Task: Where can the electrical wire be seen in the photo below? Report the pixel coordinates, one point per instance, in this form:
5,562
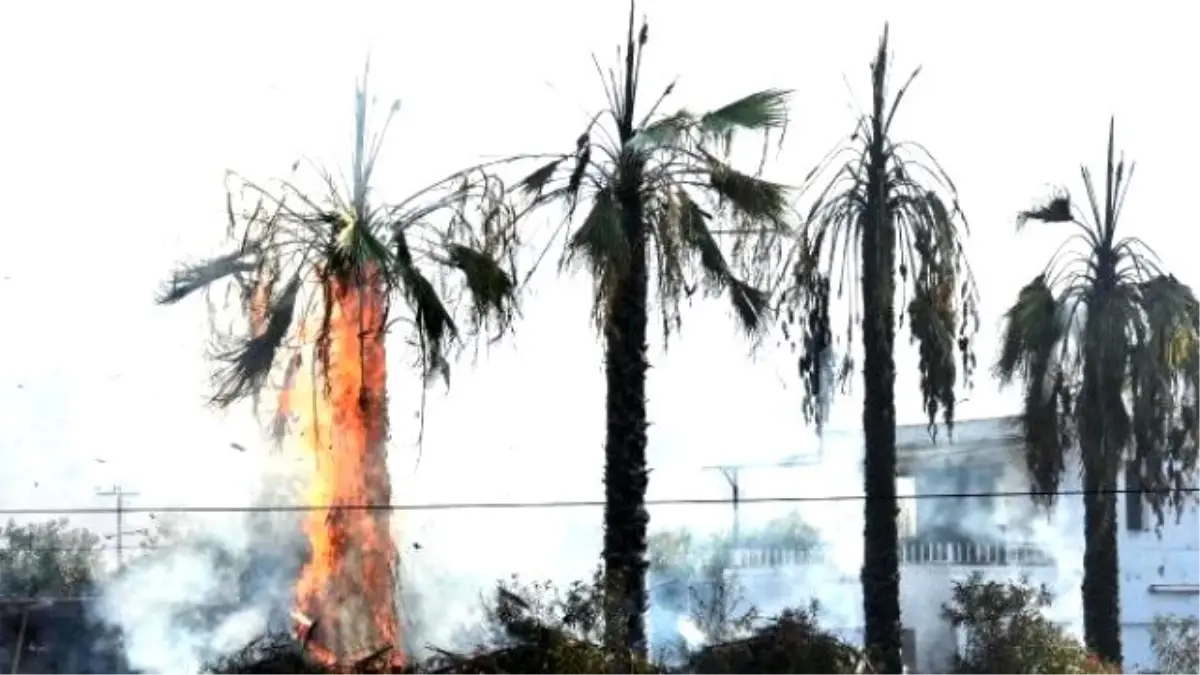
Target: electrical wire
559,504
447,506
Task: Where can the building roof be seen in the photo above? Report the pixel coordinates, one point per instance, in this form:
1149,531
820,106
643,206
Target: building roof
915,441
990,430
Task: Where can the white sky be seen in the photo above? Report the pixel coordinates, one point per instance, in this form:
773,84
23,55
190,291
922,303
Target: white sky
120,119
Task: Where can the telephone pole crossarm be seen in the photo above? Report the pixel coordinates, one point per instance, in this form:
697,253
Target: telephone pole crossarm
120,494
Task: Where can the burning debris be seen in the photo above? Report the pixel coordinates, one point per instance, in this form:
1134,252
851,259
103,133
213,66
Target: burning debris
382,658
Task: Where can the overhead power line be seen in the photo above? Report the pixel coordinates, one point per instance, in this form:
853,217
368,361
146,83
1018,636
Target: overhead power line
502,505
561,504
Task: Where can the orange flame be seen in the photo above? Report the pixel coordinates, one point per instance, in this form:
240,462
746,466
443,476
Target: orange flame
348,586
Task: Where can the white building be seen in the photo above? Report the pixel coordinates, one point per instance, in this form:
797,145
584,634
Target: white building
947,538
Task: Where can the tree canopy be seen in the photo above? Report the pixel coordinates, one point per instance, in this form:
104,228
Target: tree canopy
47,559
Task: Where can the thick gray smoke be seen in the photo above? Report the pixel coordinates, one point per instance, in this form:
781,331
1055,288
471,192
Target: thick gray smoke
210,582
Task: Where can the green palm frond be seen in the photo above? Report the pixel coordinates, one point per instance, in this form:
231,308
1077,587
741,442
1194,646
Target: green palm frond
762,111
759,111
895,192
750,304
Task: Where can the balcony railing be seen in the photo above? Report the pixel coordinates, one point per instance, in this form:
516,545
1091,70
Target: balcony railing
912,552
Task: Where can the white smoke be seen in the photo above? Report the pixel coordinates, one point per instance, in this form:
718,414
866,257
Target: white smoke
212,581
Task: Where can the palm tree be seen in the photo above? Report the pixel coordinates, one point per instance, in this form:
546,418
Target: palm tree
344,241
320,281
1106,344
643,183
886,202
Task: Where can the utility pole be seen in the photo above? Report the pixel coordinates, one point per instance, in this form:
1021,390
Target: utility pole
120,494
731,476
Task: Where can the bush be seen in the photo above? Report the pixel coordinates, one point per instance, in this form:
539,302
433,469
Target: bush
1006,631
543,628
1175,641
791,643
538,628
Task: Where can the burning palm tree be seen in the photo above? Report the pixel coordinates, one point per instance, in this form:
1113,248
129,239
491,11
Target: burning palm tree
321,279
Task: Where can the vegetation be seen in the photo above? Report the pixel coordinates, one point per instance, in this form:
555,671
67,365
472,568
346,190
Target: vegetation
1176,644
49,573
887,208
1106,344
541,628
1007,632
48,559
344,243
651,186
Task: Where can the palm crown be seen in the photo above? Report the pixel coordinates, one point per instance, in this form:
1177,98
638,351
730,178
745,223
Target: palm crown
677,165
1106,344
291,252
872,182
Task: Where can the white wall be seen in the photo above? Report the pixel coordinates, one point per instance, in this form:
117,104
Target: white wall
1146,558
1170,556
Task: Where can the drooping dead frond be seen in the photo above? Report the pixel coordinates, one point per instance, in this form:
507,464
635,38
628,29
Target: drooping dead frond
752,197
451,238
187,279
492,290
246,365
1031,348
1164,378
898,195
1106,346
1055,209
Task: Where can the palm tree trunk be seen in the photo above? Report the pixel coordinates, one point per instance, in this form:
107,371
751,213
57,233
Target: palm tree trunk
625,475
1101,449
881,564
1101,572
348,585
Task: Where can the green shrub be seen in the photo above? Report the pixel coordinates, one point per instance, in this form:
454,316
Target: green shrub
1007,632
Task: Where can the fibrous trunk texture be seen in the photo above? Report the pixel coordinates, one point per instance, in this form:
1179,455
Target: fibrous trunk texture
625,475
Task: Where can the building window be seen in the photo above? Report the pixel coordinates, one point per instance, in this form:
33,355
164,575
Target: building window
953,491
1135,505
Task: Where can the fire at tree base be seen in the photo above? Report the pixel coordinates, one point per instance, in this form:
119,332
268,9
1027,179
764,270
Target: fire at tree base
329,643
